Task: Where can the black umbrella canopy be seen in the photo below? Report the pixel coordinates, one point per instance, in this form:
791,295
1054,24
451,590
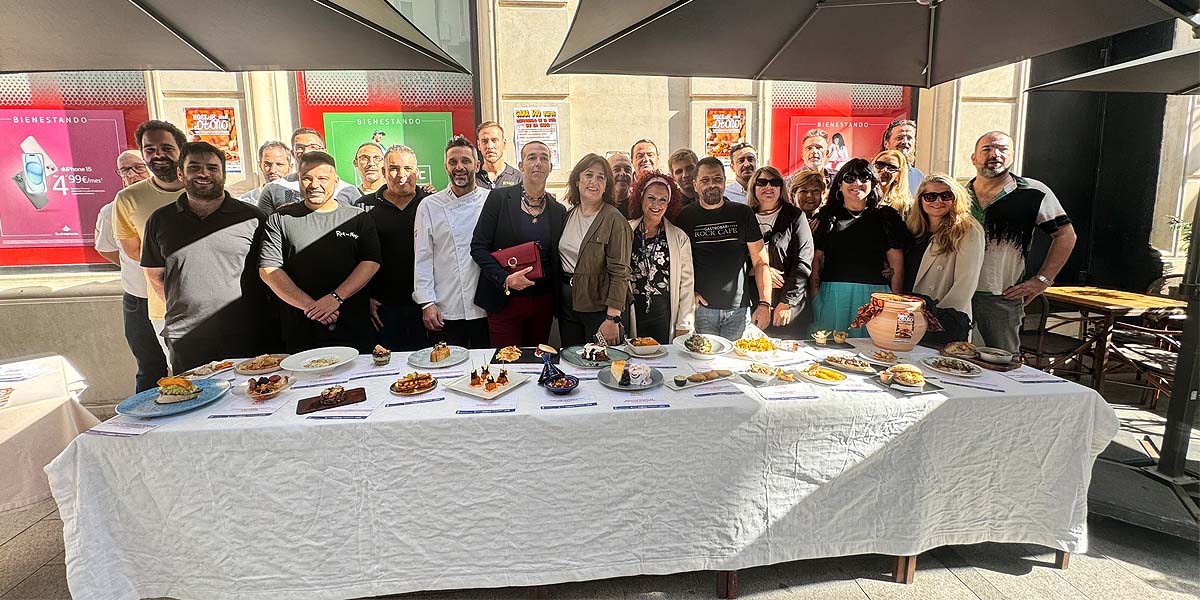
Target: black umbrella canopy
1171,72
900,42
213,35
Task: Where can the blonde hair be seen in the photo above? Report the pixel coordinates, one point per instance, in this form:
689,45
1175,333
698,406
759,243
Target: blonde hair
896,196
954,226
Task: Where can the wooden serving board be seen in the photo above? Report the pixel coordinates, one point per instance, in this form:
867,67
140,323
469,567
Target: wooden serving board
311,405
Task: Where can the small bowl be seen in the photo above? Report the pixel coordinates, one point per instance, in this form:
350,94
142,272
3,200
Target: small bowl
995,355
642,350
759,377
562,391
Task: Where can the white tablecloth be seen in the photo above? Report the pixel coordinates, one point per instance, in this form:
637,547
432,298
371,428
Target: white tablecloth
419,497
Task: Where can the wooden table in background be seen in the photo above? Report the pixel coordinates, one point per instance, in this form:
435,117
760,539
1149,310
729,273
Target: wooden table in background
1109,305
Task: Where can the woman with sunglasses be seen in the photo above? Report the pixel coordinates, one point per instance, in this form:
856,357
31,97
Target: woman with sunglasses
945,259
856,237
664,295
807,194
790,249
892,168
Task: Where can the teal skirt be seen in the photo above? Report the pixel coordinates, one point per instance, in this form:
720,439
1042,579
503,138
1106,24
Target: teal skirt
836,305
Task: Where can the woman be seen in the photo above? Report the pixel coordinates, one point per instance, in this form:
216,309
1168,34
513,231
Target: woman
838,153
520,310
947,253
790,248
856,237
892,168
594,255
808,194
664,295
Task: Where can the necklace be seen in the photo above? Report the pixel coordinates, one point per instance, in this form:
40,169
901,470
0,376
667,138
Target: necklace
530,206
851,213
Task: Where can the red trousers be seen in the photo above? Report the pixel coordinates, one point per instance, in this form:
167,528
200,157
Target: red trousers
525,321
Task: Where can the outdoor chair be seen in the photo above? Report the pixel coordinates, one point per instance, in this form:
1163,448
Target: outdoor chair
1054,351
1152,355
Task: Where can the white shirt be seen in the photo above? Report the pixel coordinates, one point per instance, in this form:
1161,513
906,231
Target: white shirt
444,272
734,192
133,280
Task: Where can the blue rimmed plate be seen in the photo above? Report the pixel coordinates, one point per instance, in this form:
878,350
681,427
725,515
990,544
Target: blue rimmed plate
143,406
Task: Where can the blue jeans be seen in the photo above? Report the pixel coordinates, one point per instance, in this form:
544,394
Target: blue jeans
139,334
727,323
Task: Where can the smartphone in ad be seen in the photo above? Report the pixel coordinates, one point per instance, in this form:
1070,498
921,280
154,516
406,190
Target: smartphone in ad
37,199
30,145
35,172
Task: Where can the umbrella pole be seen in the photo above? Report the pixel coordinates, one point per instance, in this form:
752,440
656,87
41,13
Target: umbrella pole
1181,413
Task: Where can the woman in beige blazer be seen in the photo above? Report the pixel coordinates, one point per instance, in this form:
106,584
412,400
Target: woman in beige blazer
664,296
945,259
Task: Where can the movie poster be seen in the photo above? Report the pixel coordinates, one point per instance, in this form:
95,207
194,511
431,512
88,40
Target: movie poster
217,126
723,128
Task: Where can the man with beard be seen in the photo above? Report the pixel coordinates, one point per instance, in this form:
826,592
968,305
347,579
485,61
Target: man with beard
725,239
683,166
644,153
901,135
1009,207
274,163
199,254
393,208
368,161
160,142
815,153
743,158
622,169
494,173
316,256
286,190
446,275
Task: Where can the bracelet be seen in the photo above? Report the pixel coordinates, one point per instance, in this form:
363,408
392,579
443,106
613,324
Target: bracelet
1044,279
336,297
764,303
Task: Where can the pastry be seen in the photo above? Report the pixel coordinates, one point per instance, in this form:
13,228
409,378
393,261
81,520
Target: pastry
440,352
820,337
839,337
381,356
617,367
723,372
332,395
696,378
594,352
639,374
888,375
908,378
176,389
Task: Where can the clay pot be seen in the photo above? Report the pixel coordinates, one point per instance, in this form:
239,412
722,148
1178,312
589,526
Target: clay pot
899,326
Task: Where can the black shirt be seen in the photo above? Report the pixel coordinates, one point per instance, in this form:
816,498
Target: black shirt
212,282
855,249
509,176
720,252
912,262
393,284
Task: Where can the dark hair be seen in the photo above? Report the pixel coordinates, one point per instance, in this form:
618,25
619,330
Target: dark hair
639,190
521,155
643,141
364,145
313,159
834,201
459,141
740,146
267,145
609,197
195,148
155,125
838,139
308,130
887,133
711,161
485,125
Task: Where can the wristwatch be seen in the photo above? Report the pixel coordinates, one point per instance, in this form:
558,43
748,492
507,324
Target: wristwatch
336,297
1044,279
614,318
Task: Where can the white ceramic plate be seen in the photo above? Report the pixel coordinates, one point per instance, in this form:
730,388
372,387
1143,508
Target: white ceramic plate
720,346
192,374
975,370
462,385
339,354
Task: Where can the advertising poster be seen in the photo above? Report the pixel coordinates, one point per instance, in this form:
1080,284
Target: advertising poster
217,126
425,132
849,137
537,125
57,169
723,127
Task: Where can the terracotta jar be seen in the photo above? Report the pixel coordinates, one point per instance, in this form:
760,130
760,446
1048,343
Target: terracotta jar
899,325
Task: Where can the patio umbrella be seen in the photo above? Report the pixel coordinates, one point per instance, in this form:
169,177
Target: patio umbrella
901,42
215,35
1171,72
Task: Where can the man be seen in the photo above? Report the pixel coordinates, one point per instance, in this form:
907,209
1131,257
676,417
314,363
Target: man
286,190
316,256
446,275
743,159
274,163
901,135
622,169
368,161
644,153
495,172
725,238
683,166
393,208
815,153
1009,207
378,136
139,334
160,142
200,255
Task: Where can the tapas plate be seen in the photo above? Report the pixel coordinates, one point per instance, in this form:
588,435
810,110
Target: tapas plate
956,367
208,370
530,355
420,358
883,363
691,384
606,379
720,346
462,385
242,389
418,392
319,359
245,368
143,405
572,354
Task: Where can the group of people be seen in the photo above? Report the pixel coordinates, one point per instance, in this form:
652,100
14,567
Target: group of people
631,249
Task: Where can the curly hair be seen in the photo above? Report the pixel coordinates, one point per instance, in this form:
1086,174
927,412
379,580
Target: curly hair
639,190
954,226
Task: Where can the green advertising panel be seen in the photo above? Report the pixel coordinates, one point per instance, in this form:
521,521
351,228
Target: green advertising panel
425,132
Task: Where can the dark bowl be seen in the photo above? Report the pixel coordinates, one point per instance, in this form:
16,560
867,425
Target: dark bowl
573,380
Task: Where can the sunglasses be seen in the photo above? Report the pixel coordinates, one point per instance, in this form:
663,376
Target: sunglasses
946,196
879,166
853,178
773,182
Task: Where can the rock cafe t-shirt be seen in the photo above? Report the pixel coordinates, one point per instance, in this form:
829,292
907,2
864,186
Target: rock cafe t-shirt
720,257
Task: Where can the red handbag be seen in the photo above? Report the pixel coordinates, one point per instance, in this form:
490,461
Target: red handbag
521,256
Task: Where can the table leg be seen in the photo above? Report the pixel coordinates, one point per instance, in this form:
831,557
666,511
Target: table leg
904,569
727,584
1062,559
1100,354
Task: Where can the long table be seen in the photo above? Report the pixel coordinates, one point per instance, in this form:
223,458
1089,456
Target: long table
432,494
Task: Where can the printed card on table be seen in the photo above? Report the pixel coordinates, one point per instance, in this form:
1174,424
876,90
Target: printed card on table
243,406
476,406
122,426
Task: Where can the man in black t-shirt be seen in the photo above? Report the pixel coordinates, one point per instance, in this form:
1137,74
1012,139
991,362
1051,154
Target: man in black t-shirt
316,256
726,239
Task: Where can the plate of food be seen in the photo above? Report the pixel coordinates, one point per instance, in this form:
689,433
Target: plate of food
438,356
952,366
264,387
208,370
822,375
562,385
759,375
849,362
526,355
593,356
883,358
703,346
174,395
908,379
759,348
646,347
786,345
488,382
629,376
260,365
413,384
960,350
319,359
683,382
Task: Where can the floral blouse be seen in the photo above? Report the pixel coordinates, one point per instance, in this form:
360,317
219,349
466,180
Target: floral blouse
651,265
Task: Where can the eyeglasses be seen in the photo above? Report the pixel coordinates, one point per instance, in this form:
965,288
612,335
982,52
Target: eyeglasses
931,197
853,178
139,169
773,182
370,160
881,166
